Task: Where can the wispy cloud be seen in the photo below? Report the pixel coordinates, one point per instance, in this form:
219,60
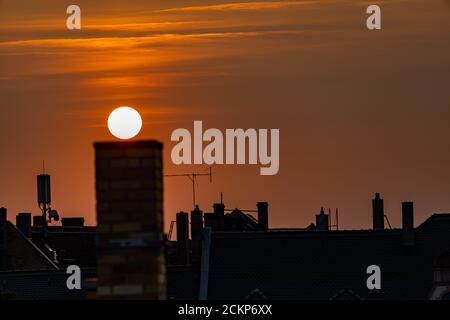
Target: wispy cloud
242,6
147,26
114,42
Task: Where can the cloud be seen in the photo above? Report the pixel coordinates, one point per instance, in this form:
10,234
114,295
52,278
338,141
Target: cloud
121,42
242,6
146,26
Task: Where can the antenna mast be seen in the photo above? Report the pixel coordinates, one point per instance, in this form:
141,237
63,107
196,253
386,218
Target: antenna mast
336,222
193,177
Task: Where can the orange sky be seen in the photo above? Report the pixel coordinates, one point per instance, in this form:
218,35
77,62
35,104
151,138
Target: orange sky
359,112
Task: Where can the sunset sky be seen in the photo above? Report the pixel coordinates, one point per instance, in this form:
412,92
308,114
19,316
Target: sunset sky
359,111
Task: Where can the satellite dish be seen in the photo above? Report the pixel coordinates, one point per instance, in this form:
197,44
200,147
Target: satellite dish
53,215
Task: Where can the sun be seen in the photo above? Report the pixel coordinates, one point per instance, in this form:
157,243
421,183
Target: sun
124,123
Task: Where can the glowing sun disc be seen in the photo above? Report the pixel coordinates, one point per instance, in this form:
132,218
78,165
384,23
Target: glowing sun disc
124,123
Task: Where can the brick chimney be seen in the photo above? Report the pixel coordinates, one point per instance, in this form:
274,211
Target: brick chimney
378,212
263,215
130,242
408,223
23,223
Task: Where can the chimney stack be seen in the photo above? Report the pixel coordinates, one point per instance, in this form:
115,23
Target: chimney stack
408,223
38,221
3,216
322,222
23,223
130,241
378,212
196,234
3,219
183,237
219,211
211,221
263,215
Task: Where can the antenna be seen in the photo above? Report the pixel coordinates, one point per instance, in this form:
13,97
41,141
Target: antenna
172,223
44,198
336,224
329,217
387,220
193,177
337,219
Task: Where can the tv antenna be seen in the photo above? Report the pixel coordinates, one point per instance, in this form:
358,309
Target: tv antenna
193,177
336,219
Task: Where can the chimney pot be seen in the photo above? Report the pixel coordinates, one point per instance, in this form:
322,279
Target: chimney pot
219,211
183,237
3,215
322,222
23,223
408,223
196,234
38,221
211,220
263,215
378,212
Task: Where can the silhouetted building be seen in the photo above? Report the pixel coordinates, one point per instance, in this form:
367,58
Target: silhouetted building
229,253
317,265
247,262
31,268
